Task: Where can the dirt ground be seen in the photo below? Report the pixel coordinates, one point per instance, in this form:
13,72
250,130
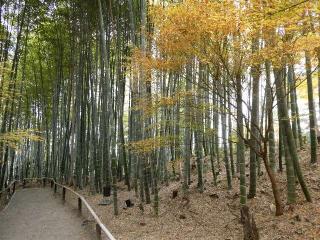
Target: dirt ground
35,214
215,213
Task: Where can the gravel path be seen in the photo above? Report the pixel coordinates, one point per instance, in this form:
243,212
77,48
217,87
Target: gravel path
35,214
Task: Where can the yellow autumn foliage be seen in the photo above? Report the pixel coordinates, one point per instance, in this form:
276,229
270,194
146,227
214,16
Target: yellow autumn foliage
220,35
200,28
14,138
148,145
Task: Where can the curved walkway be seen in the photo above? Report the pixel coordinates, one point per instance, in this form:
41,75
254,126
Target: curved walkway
35,214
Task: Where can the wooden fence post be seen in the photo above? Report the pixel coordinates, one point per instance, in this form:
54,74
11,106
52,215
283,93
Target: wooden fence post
14,187
98,231
55,188
44,182
51,183
24,183
63,193
79,204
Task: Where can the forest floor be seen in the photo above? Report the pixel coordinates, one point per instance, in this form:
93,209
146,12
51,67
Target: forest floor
215,214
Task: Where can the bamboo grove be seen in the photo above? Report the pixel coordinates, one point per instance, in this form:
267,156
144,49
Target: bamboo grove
96,93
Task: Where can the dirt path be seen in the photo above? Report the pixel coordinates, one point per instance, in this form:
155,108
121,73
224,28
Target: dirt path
35,214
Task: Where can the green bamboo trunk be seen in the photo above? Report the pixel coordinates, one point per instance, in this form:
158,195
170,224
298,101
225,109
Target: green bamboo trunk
312,113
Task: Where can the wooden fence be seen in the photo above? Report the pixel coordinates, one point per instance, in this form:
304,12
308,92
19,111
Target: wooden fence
7,193
101,229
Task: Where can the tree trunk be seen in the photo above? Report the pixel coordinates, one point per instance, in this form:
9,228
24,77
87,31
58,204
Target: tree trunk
283,111
312,113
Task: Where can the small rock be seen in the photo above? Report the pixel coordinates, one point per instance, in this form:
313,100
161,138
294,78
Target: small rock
307,219
297,218
142,223
298,231
182,216
174,194
129,203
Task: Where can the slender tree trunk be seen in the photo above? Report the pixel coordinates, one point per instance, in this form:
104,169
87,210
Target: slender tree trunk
224,138
269,117
312,113
283,111
240,142
187,130
254,135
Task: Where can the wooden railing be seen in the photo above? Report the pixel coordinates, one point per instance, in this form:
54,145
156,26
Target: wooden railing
100,227
6,194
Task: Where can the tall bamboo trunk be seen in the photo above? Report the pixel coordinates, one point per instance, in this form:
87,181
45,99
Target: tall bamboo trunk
269,117
240,142
312,113
254,125
286,127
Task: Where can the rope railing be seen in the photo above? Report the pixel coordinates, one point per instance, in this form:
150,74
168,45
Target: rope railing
100,227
